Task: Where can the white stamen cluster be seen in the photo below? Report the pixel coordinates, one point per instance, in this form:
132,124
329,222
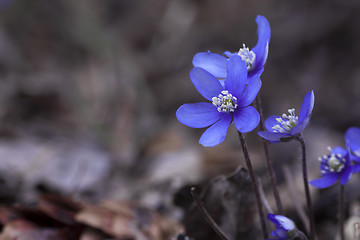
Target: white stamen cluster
247,56
286,122
225,102
332,163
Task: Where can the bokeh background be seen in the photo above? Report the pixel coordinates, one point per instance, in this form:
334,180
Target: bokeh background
89,91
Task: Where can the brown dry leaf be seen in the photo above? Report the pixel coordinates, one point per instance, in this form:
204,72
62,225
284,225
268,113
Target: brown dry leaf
25,230
6,214
230,201
60,208
125,221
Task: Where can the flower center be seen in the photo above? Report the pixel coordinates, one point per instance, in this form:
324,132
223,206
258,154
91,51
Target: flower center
247,56
286,122
332,163
225,102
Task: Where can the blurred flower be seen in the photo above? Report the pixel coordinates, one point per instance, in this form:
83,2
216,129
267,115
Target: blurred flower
352,138
254,58
334,166
285,227
286,127
228,102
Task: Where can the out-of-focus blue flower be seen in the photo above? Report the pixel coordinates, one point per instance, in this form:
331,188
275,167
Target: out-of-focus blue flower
286,127
229,102
334,166
285,227
254,58
352,138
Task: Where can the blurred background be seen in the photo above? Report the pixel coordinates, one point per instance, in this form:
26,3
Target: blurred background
89,91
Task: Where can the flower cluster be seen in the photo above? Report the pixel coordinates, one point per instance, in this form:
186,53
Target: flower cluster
231,96
230,83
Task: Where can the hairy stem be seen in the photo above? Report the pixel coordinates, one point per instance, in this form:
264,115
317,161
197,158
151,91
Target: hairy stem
341,212
255,186
306,186
268,159
207,216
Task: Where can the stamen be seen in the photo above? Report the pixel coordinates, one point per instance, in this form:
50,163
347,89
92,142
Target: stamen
248,56
225,102
333,163
286,122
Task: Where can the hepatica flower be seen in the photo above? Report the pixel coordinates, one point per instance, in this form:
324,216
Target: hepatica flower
255,58
352,138
285,227
334,166
228,102
285,127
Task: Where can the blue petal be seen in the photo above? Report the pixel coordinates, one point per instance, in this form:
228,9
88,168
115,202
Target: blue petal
206,84
262,47
339,150
307,106
237,76
325,181
355,158
285,223
271,122
352,137
250,92
216,133
305,113
230,54
356,168
272,218
246,119
211,62
272,136
198,115
346,174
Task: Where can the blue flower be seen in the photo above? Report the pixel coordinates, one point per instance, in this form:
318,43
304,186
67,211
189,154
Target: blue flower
285,227
352,138
334,166
286,127
230,102
255,58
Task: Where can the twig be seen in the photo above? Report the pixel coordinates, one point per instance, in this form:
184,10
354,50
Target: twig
207,216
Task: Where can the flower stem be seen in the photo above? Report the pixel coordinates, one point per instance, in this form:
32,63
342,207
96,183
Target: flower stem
341,212
207,216
306,186
268,159
300,235
255,185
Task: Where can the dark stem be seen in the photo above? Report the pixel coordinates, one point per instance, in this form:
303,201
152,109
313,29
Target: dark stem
306,186
207,216
255,186
341,212
268,159
301,236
